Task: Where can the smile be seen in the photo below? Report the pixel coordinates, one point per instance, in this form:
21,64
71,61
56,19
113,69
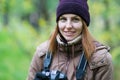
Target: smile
69,33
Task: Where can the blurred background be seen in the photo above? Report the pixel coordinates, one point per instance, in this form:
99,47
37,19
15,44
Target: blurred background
24,24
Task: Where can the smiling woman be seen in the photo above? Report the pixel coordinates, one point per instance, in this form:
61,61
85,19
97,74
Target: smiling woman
70,26
70,48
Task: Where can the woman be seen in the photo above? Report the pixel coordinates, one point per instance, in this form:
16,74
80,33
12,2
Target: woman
69,41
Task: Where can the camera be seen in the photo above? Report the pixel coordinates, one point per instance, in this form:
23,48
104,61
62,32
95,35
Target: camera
47,74
50,75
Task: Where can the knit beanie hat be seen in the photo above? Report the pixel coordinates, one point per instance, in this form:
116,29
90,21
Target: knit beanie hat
78,7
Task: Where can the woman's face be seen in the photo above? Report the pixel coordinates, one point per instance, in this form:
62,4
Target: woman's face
70,26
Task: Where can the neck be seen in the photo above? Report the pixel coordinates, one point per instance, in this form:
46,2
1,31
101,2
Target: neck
74,41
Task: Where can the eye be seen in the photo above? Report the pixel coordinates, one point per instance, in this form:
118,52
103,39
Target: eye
62,19
75,19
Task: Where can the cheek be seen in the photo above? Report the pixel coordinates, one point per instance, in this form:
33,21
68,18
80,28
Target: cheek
79,28
61,26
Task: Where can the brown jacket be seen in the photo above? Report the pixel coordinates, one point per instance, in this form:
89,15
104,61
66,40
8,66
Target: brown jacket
98,68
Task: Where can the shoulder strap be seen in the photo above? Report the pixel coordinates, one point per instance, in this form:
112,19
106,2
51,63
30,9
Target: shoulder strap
47,60
81,67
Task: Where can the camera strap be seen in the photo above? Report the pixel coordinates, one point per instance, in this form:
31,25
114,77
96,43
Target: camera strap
47,61
80,71
81,67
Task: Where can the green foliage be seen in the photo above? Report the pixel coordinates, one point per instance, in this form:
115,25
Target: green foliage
13,63
51,5
18,42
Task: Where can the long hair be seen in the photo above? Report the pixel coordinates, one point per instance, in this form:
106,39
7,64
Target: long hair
53,43
87,41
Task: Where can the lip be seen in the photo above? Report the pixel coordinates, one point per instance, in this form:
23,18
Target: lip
69,33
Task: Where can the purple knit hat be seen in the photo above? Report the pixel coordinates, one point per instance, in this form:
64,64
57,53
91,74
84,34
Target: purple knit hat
78,7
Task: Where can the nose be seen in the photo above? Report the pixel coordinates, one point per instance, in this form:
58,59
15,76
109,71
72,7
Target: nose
68,24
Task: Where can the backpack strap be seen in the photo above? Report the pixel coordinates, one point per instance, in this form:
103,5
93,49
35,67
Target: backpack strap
80,71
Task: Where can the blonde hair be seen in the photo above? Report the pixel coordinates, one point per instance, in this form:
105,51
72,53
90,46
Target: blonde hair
87,41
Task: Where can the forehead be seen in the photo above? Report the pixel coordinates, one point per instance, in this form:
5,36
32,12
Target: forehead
69,15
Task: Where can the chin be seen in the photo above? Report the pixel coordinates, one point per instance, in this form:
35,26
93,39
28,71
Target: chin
69,39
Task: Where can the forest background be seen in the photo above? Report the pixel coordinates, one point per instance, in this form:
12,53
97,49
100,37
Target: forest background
24,24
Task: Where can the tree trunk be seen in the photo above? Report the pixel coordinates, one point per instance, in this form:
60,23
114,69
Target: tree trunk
40,12
6,13
106,17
